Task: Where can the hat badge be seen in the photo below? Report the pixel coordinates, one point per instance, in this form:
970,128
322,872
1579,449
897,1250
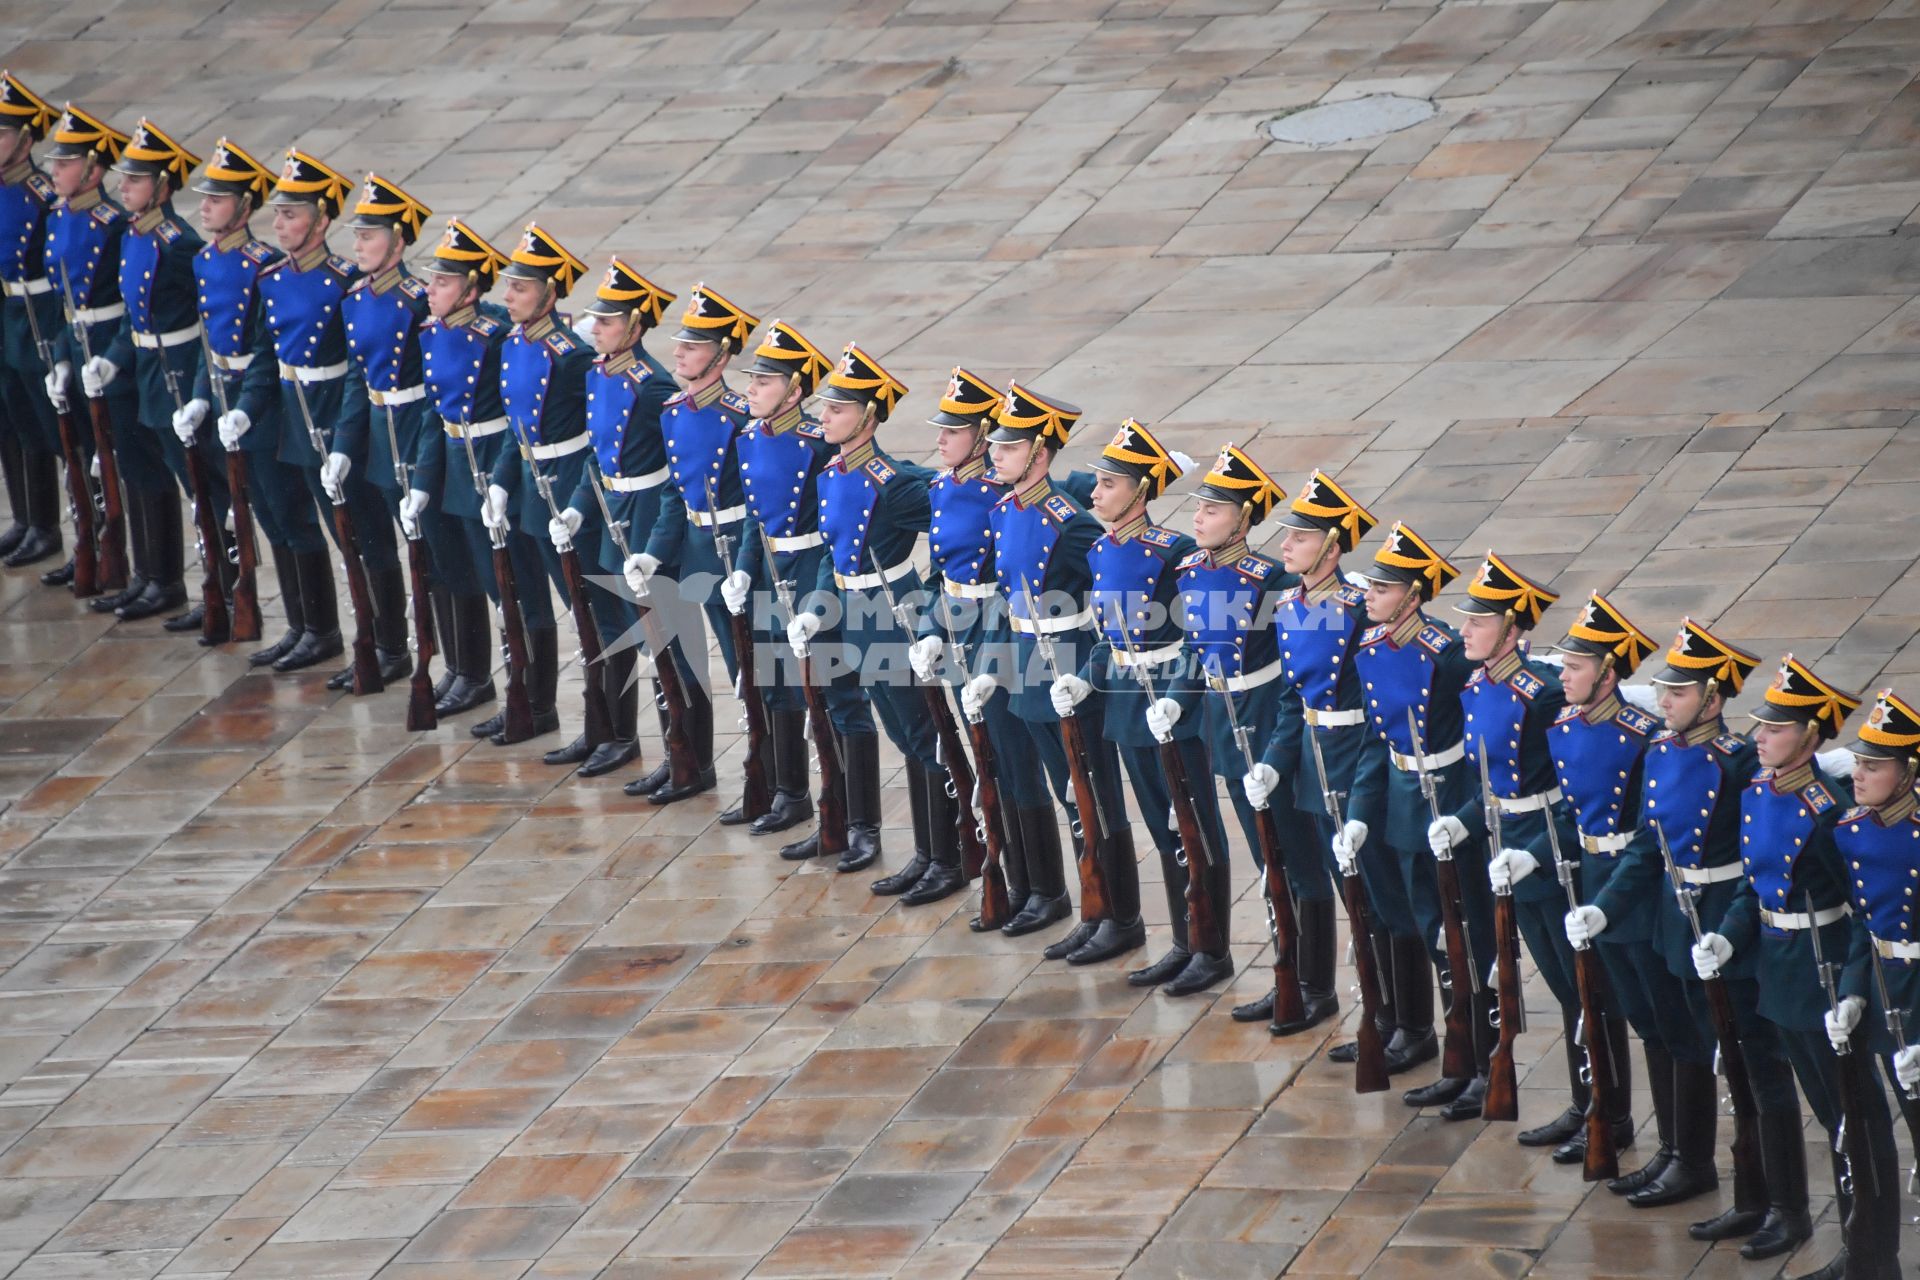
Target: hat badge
291,170
449,239
1486,573
529,241
953,387
846,361
1878,716
368,192
612,278
1591,614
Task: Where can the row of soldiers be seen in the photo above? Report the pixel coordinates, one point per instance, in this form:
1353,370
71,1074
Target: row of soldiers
1711,890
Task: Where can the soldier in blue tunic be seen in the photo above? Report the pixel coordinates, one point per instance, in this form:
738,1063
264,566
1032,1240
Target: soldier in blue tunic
873,510
29,437
1599,746
1796,882
1410,664
543,388
460,366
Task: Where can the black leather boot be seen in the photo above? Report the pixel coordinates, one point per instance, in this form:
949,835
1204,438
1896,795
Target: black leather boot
320,640
1690,1172
13,464
944,876
1013,865
165,589
442,603
543,681
1173,882
1047,901
792,789
1775,1222
41,510
1574,1118
1471,1099
1083,929
286,568
1203,970
1123,930
1163,970
1414,1041
136,504
809,846
1386,1018
861,759
906,877
657,776
623,695
1316,959
470,657
1615,1041
699,727
1660,1076
388,587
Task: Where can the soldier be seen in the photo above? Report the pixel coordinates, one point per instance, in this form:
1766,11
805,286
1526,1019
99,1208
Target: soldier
29,438
1599,748
873,511
1411,664
460,366
543,387
1795,882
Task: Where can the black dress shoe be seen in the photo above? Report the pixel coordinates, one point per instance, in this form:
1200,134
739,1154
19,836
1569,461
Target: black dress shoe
277,650
191,620
543,722
341,679
790,809
1315,1013
650,781
802,849
35,547
112,600
464,695
903,879
1467,1105
735,816
1553,1132
1574,1149
609,756
51,578
1165,969
1257,1010
1632,1181
1783,1231
491,725
219,635
1405,1052
1110,939
1440,1092
942,880
1202,971
1729,1224
1835,1270
11,538
1345,1054
575,752
395,665
1037,913
314,647
443,685
155,598
860,854
1677,1182
1061,948
667,793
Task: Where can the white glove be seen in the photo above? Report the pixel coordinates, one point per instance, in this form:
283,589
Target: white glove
1710,955
734,590
96,373
1445,835
1180,460
233,424
1584,924
1347,842
974,694
1068,692
333,474
1906,1067
410,508
1842,1020
800,632
1509,867
1162,715
493,512
187,419
561,528
1259,783
639,567
923,655
57,379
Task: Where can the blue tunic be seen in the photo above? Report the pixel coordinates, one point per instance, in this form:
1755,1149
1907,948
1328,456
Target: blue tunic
1317,639
543,387
83,255
1882,857
1041,544
157,283
383,320
699,432
960,548
1136,602
303,313
1599,768
460,367
1513,717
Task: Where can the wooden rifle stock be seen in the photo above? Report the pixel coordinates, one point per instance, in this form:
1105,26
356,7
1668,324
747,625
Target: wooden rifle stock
1602,1159
366,659
1203,927
756,793
246,588
953,756
995,909
420,712
86,564
518,724
214,621
1283,926
1093,832
598,722
833,792
1503,1086
1370,1058
1457,1056
112,533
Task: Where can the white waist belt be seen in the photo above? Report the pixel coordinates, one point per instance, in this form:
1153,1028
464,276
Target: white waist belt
1607,844
312,373
1712,875
1528,804
547,452
94,315
864,581
154,341
1146,657
971,590
634,484
726,515
474,430
405,395
1801,920
232,364
1438,760
1335,719
1047,626
1897,950
800,542
21,288
1252,679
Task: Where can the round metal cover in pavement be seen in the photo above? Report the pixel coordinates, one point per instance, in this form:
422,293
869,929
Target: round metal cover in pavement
1335,122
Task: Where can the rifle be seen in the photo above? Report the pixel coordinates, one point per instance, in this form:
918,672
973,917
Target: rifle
206,527
756,794
995,910
1203,927
1503,1088
110,535
1370,1058
833,807
598,722
516,724
1602,1072
366,663
420,712
1896,1021
1095,829
79,499
1457,1054
1852,1142
1283,926
245,597
1749,1179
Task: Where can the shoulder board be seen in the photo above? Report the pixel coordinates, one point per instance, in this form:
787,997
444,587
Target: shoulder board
1158,537
1373,635
1288,596
1566,714
880,469
363,282
1255,567
42,187
104,213
1818,798
1527,684
168,231
1637,721
276,265
1858,811
810,430
486,326
1434,638
1060,508
1193,560
735,403
339,265
255,251
1666,735
1728,743
412,288
638,374
1760,775
1351,595
1479,676
561,342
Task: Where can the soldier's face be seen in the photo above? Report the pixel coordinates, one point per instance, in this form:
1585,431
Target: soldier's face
375,248
1876,782
1301,548
525,300
955,445
1215,524
1780,745
1010,461
694,361
138,192
1479,633
767,394
1681,705
297,226
220,214
1386,599
841,420
10,147
445,293
1580,677
69,176
610,334
1112,495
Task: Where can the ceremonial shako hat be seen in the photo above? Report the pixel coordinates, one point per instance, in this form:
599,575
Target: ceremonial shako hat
22,108
1700,657
1500,588
969,401
1602,631
624,291
382,204
1322,504
463,252
785,352
1027,415
232,172
860,379
1240,481
539,256
79,135
1798,696
1406,557
1892,731
307,180
1133,452
711,318
151,153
